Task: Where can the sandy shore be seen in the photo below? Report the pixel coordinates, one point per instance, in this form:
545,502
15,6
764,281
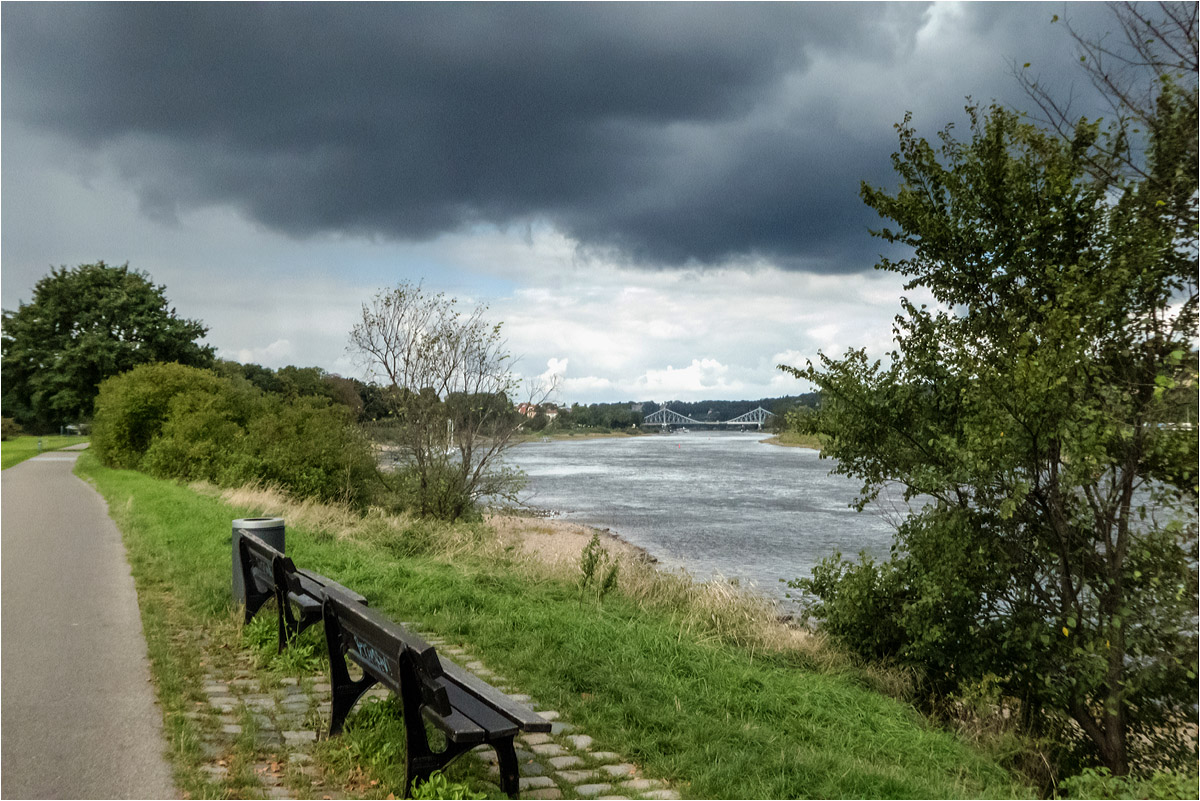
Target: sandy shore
560,541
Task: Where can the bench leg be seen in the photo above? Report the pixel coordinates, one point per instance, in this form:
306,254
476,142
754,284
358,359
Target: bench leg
510,777
285,615
422,760
344,691
255,601
291,625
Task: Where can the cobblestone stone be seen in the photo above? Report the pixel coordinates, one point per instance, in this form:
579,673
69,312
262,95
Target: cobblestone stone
580,741
593,789
624,769
576,776
641,785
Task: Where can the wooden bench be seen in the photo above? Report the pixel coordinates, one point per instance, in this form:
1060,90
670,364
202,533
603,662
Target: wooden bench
467,710
268,573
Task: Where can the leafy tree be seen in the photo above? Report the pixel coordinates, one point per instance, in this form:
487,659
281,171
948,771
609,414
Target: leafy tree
84,325
448,387
1031,413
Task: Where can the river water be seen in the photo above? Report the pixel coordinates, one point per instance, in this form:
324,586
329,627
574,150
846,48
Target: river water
714,504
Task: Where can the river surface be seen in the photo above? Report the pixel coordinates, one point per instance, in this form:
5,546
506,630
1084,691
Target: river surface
714,504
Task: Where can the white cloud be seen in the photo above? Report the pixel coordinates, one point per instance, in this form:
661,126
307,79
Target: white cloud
278,352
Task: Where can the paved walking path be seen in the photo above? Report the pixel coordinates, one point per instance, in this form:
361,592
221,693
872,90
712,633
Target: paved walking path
77,706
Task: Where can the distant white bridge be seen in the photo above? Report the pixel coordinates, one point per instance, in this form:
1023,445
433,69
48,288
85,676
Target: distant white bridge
667,417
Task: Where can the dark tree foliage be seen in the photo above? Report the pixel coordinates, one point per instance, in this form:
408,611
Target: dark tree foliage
82,326
1033,412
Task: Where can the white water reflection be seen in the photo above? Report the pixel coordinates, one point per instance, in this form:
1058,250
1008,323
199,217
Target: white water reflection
711,503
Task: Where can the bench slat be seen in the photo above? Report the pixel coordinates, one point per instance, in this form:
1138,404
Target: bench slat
526,718
484,716
458,727
324,581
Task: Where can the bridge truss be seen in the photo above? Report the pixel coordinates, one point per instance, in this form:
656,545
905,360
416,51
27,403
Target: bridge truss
667,417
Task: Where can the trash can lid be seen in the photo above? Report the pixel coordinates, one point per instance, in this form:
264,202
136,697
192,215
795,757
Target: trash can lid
258,522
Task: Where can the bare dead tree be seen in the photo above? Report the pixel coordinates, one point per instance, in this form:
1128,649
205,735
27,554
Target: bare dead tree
450,391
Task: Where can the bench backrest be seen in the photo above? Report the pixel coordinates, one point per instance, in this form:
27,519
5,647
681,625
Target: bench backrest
387,650
258,562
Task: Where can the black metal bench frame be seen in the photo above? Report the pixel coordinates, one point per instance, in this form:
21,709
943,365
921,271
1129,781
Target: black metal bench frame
467,710
268,573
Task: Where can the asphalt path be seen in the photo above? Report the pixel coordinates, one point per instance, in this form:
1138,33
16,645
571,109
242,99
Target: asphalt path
77,708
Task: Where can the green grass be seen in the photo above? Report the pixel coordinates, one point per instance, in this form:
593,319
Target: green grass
715,720
15,451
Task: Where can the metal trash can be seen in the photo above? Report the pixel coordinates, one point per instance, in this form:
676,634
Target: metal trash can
268,529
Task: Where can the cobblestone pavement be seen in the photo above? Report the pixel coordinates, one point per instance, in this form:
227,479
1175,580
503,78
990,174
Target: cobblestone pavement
561,764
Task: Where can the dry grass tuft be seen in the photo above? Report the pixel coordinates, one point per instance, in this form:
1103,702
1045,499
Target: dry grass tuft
401,533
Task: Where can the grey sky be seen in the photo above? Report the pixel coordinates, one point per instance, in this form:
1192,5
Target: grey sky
283,161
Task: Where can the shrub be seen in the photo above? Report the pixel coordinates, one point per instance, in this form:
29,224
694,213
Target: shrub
436,491
131,409
860,604
203,437
189,424
312,449
9,429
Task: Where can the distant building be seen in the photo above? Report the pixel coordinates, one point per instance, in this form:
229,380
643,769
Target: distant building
531,410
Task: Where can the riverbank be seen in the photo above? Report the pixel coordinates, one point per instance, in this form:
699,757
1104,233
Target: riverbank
662,670
792,439
557,542
553,434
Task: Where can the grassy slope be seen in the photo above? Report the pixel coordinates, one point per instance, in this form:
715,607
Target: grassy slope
15,451
716,720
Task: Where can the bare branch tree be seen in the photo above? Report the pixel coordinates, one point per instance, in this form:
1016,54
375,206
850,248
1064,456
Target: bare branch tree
450,389
1153,46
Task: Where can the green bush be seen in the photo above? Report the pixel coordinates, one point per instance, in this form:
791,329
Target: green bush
313,449
861,604
132,408
204,437
437,491
189,424
9,429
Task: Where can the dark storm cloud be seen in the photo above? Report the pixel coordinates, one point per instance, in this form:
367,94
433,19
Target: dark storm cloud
673,133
